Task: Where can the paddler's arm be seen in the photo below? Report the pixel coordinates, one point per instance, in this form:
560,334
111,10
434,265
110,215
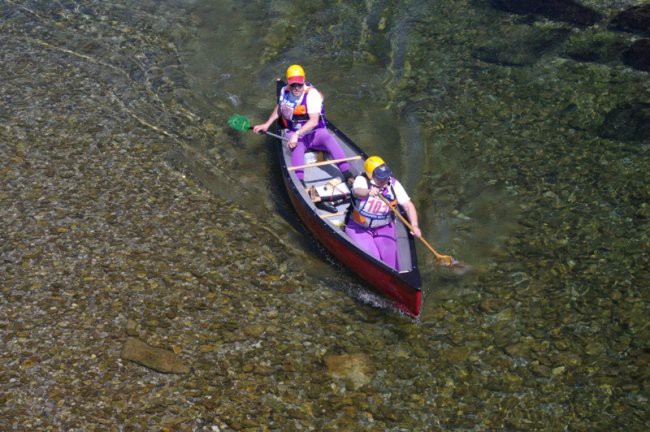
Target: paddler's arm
361,192
263,127
412,214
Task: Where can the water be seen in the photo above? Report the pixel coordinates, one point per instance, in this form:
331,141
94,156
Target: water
497,136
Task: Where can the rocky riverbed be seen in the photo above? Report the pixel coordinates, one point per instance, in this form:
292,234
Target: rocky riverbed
101,239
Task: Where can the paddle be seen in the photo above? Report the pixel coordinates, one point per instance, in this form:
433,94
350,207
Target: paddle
326,162
243,124
445,260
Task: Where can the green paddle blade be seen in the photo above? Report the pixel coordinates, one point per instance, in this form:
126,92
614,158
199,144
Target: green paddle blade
239,122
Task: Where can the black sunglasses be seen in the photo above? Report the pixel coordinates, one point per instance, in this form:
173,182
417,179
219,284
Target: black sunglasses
296,85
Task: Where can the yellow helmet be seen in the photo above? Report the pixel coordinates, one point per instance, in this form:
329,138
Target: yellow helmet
371,163
295,74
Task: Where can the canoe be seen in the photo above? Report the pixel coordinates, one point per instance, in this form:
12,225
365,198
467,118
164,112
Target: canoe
325,220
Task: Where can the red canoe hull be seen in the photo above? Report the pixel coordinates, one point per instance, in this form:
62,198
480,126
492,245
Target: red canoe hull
395,286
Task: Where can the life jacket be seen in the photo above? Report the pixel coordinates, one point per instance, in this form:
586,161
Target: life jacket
292,115
371,212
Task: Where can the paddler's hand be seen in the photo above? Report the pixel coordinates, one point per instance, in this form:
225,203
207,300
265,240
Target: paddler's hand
293,141
373,191
416,231
260,128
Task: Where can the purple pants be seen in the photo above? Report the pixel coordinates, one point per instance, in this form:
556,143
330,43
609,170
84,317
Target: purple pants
380,242
319,139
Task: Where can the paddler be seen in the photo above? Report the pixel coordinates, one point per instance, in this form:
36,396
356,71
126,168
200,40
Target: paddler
301,112
372,223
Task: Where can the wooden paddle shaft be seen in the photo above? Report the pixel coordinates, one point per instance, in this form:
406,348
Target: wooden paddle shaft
327,162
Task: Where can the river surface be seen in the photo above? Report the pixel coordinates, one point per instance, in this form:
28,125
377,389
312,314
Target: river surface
130,209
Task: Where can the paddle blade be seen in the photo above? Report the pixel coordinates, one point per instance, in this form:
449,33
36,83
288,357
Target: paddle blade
239,122
452,264
446,260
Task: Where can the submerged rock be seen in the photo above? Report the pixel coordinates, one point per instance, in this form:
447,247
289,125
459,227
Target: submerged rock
522,46
157,359
635,19
455,355
356,368
131,328
627,122
490,305
558,10
638,55
596,46
254,330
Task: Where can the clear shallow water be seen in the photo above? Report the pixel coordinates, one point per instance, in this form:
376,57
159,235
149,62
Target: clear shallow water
504,163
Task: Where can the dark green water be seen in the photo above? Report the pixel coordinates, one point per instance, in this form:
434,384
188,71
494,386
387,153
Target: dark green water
506,148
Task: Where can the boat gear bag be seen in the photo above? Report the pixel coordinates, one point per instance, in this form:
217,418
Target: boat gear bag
334,190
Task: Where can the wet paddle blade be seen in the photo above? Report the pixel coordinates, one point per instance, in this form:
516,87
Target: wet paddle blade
239,122
446,260
452,264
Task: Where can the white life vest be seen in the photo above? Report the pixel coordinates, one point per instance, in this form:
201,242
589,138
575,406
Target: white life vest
293,114
372,212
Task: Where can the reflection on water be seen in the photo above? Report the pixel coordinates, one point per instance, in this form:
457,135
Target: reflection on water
500,146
